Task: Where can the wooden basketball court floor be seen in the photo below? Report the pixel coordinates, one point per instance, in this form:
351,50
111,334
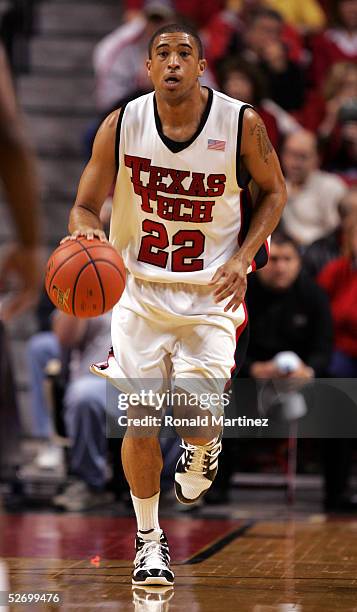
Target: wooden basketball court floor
221,565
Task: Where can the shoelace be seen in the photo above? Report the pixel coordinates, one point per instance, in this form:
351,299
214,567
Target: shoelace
152,556
201,455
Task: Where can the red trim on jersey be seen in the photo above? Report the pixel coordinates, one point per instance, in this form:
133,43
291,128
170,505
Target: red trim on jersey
240,329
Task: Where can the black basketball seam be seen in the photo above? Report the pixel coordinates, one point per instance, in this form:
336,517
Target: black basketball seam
96,271
110,263
95,246
59,267
92,246
76,283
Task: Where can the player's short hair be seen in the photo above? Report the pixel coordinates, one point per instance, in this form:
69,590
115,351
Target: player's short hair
279,237
176,27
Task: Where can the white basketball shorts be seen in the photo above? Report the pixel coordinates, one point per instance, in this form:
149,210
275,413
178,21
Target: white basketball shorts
171,331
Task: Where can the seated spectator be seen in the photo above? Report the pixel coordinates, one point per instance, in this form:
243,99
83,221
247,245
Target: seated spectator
120,58
338,43
322,107
244,81
264,45
337,131
287,312
313,195
340,88
84,403
253,32
339,280
230,24
321,252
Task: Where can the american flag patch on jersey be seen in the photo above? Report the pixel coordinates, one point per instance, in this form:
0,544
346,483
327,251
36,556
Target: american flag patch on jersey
216,145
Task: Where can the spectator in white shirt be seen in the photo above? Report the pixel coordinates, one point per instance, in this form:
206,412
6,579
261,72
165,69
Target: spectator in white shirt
119,59
313,196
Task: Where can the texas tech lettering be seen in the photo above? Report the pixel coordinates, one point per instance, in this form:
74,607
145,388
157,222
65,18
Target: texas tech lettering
152,182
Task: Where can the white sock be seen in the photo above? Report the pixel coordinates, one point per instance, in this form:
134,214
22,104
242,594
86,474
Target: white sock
147,516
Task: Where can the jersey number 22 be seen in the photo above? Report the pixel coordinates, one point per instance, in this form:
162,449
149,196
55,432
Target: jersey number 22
154,248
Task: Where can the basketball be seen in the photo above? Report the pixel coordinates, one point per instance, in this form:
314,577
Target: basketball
85,278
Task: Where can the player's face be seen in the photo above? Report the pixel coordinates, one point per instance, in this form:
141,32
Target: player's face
174,65
283,267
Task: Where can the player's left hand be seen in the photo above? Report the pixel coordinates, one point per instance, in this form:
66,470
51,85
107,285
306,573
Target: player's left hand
25,266
231,280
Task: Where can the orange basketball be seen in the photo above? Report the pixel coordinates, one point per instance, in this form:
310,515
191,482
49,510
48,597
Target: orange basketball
85,278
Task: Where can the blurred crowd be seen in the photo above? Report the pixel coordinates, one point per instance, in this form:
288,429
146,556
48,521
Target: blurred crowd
296,62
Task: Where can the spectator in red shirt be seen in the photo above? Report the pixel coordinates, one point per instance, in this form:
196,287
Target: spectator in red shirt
339,279
337,44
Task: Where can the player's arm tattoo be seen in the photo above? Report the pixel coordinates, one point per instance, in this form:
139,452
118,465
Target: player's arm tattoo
264,144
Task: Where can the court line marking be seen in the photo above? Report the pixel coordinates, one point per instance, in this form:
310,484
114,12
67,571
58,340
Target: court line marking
218,544
203,554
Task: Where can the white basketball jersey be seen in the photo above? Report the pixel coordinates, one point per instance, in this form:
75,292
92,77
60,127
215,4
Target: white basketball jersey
180,210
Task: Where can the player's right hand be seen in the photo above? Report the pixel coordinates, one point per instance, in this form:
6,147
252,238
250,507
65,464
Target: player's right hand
89,233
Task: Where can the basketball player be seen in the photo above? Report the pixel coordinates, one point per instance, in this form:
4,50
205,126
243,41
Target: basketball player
18,176
185,160
17,173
